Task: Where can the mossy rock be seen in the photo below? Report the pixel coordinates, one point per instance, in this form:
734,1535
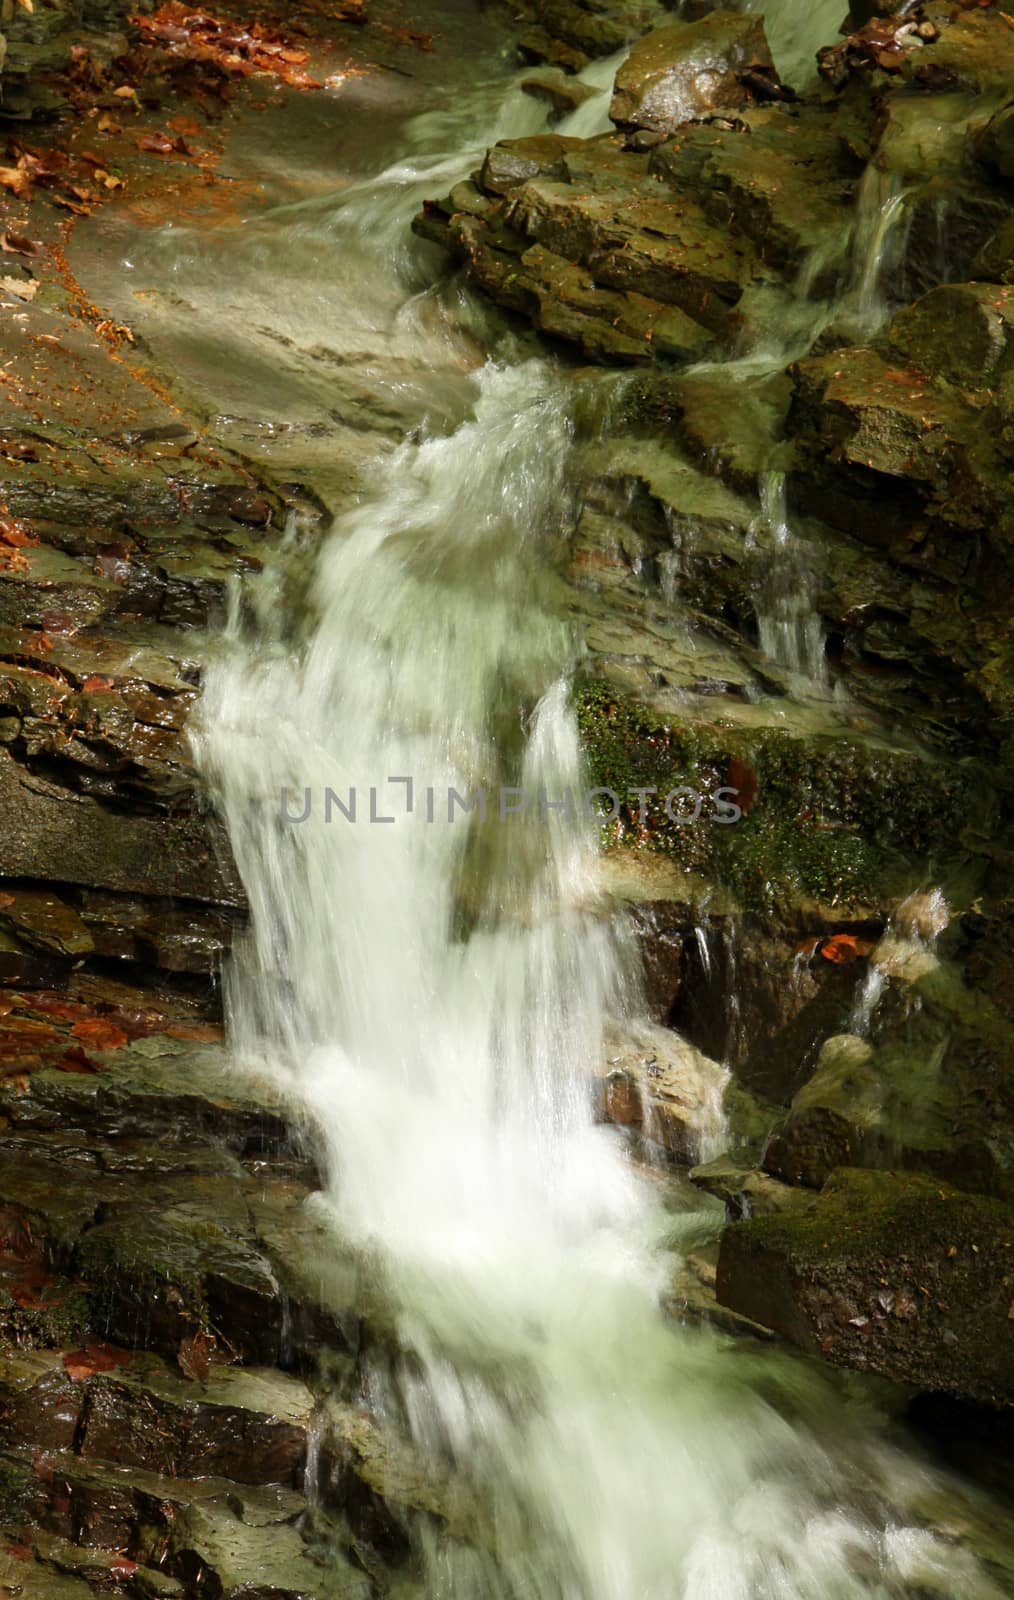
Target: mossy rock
838,820
889,1273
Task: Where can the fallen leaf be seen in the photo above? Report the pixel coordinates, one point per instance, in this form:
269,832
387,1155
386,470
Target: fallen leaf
23,288
97,1357
122,1567
17,181
194,1357
96,684
17,245
844,948
743,779
99,1033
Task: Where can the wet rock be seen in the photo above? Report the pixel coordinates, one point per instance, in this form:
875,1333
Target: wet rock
691,70
249,1424
561,93
157,933
949,220
155,1088
45,923
995,259
379,1481
830,1116
745,1191
40,1404
785,178
569,33
652,1079
155,1277
23,968
57,834
902,1276
514,161
594,250
963,332
994,144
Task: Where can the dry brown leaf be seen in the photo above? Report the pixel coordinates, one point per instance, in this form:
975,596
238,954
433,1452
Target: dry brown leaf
22,288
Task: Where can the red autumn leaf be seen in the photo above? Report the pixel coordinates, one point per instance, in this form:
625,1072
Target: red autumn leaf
743,779
96,684
97,1357
100,1034
122,1566
75,1060
844,948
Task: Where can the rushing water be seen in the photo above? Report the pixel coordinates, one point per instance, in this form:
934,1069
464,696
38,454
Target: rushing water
433,991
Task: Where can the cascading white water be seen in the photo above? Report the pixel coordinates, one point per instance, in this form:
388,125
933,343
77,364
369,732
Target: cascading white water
788,622
433,992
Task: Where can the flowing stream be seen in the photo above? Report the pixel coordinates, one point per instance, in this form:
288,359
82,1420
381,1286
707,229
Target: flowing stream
433,989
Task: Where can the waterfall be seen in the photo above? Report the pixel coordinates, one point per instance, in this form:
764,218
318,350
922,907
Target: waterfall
431,984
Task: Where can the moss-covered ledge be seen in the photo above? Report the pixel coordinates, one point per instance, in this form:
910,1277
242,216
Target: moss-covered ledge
843,821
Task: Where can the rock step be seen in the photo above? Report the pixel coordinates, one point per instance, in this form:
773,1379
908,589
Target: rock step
247,1424
157,1088
210,1536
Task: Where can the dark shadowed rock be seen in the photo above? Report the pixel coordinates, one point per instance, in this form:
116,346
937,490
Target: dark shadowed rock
690,70
898,1275
994,144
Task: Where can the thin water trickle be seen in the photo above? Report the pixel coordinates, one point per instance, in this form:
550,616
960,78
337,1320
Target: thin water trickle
432,993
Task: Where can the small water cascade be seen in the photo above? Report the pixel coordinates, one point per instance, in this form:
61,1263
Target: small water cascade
877,234
788,623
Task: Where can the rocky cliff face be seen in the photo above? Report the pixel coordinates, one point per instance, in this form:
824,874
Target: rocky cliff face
811,287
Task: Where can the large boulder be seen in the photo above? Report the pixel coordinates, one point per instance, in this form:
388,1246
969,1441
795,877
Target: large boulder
691,70
897,1275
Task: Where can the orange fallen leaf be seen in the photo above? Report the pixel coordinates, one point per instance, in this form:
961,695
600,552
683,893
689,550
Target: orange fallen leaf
99,1033
844,948
97,1357
96,684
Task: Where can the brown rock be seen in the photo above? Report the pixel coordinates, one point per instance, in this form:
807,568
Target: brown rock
690,70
